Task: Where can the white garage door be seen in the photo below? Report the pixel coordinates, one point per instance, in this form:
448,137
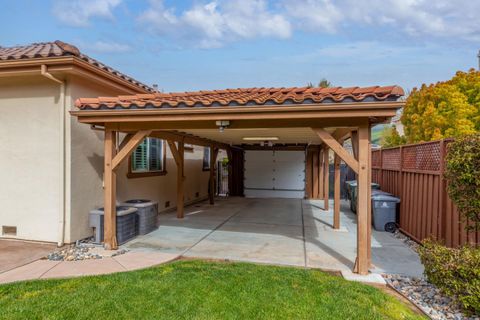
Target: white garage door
274,174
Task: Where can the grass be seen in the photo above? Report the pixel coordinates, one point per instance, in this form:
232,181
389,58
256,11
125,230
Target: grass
193,289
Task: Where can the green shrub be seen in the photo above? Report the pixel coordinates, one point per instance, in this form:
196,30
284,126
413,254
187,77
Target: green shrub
455,271
462,170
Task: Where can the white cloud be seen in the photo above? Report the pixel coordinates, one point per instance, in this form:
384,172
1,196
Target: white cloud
77,13
214,23
106,47
417,18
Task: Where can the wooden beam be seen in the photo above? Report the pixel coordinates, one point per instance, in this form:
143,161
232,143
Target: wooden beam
175,153
337,148
354,139
336,194
109,192
362,201
143,123
187,138
211,189
326,182
129,147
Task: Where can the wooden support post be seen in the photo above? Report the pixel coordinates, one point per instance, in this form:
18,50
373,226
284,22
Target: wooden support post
321,173
315,163
230,170
326,182
213,159
179,156
362,264
336,197
180,180
109,192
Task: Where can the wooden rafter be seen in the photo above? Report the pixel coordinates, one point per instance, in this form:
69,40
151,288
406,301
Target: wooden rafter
188,139
333,144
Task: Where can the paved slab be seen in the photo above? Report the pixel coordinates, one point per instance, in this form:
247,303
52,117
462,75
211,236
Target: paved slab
15,253
276,231
82,268
29,271
141,259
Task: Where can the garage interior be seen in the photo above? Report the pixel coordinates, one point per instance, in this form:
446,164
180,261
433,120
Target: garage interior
277,140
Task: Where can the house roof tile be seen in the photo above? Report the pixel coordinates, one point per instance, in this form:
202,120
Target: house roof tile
244,97
60,49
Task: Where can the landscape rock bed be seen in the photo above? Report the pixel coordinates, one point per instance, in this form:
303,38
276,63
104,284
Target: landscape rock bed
423,294
82,250
428,298
409,242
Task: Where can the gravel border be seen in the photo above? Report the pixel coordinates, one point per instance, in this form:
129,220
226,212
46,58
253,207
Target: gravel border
82,250
423,294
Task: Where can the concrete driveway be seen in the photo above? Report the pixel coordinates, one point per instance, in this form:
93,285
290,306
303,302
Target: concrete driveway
14,253
291,232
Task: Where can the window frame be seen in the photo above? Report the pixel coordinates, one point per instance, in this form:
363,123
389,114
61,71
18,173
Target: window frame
132,174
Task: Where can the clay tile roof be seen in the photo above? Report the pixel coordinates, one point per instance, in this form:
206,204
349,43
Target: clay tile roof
60,49
244,97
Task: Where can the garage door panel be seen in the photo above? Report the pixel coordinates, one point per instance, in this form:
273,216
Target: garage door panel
278,174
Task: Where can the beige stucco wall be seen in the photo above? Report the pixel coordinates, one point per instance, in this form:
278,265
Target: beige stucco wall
86,160
30,167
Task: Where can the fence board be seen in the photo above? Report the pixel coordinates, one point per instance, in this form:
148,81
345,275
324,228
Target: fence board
415,174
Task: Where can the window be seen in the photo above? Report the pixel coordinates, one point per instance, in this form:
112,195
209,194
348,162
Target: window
206,158
148,159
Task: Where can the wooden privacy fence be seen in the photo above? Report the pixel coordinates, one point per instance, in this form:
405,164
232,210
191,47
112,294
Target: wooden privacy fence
414,173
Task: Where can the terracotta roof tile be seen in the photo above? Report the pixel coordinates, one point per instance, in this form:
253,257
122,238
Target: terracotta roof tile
60,49
243,97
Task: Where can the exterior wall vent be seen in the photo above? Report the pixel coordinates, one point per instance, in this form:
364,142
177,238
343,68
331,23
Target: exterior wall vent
9,231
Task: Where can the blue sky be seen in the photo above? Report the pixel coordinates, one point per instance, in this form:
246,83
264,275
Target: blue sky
195,45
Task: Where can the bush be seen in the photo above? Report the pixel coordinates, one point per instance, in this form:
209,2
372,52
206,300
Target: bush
455,271
462,171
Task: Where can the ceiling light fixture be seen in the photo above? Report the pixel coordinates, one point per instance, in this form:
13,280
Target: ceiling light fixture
260,138
222,124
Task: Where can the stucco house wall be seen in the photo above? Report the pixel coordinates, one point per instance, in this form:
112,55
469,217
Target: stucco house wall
30,188
31,169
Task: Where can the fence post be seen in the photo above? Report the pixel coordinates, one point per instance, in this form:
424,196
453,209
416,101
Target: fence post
400,192
442,228
380,169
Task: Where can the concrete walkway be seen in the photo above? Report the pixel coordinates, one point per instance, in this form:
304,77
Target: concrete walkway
46,269
290,232
275,231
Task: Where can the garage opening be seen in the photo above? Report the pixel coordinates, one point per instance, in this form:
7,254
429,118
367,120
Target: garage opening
274,174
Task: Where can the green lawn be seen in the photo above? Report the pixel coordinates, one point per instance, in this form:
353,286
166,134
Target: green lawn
201,290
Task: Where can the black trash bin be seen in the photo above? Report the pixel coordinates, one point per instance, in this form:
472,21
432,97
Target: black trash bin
384,211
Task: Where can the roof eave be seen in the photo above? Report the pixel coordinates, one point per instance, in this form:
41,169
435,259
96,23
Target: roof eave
67,64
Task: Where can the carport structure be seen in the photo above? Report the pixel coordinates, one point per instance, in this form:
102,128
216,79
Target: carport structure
317,119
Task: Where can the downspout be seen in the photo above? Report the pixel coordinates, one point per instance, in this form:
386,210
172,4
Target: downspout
61,217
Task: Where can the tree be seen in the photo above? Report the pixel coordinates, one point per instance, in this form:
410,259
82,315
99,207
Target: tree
462,171
443,110
391,138
324,83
